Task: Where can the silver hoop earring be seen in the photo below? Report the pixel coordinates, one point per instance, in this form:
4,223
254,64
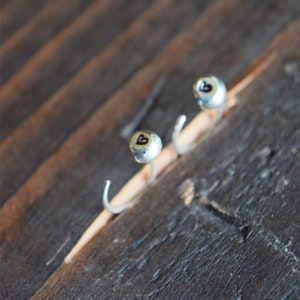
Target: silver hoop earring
210,93
145,146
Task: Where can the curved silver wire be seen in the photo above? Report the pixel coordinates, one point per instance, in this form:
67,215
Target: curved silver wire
176,132
180,121
105,201
120,209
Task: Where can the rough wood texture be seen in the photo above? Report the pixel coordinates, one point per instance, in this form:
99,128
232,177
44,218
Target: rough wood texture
21,46
89,34
16,13
61,117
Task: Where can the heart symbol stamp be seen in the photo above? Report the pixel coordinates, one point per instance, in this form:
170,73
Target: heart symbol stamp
142,140
205,87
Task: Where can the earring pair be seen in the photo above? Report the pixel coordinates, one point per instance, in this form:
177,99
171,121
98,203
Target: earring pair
146,145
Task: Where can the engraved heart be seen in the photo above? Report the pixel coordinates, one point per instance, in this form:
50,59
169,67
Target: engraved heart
142,140
205,87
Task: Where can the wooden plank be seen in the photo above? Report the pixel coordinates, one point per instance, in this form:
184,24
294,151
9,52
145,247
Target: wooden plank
81,97
244,175
51,67
32,36
24,10
41,222
69,107
2,2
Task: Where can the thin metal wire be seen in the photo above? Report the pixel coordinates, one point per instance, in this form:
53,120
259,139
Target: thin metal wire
105,201
120,209
176,132
180,121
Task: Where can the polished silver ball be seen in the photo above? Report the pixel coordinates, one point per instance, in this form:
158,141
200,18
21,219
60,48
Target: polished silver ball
145,146
210,92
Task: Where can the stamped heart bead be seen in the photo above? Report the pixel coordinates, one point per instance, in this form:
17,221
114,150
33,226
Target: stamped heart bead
210,91
145,145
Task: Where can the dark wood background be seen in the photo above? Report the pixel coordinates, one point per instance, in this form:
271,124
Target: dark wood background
73,75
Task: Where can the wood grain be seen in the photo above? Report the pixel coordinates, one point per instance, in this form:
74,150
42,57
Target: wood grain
83,93
162,247
17,50
84,38
16,13
61,117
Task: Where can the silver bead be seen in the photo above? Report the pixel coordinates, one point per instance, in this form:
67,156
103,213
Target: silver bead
210,92
145,146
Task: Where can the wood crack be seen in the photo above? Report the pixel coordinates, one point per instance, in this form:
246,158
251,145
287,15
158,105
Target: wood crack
240,225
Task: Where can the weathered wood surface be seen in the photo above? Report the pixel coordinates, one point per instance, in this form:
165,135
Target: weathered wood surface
21,46
81,99
246,186
54,160
90,33
16,13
